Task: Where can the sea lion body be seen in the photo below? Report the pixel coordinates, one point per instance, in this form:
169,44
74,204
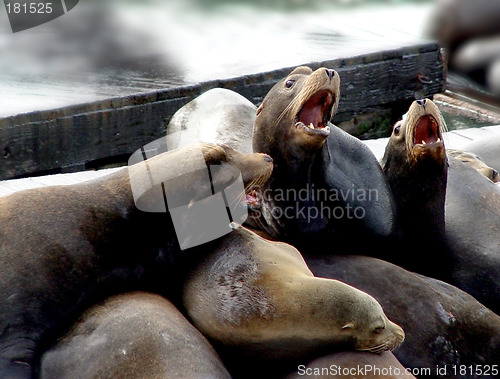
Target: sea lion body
444,326
218,116
132,335
61,248
324,180
472,233
257,298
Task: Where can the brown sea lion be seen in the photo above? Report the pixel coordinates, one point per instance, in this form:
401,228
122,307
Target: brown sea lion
324,180
415,165
132,335
88,240
488,148
257,300
448,216
475,162
444,326
353,365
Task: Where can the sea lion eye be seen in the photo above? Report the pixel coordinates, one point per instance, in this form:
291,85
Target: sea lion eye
397,128
380,329
289,83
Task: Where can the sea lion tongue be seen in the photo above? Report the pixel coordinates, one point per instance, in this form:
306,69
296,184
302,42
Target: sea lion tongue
315,113
426,130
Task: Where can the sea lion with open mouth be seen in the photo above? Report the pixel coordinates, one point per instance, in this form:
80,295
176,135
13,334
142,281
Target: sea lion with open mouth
64,247
448,213
324,180
416,167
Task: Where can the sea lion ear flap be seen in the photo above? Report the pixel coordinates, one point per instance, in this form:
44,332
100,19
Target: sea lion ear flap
302,70
348,326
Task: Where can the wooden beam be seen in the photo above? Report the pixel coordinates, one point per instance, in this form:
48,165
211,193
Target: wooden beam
69,138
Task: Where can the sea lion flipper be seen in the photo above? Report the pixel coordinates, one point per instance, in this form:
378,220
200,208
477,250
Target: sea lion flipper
352,171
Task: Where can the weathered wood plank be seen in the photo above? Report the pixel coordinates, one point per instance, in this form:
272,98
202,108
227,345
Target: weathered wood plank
71,137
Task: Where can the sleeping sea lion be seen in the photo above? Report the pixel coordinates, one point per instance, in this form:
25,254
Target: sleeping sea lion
488,148
257,300
475,162
324,180
83,242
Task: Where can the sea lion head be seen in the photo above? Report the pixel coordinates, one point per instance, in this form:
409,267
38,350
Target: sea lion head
255,171
417,138
368,327
475,162
195,172
294,116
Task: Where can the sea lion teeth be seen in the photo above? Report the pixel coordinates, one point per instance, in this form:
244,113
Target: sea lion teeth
423,142
311,125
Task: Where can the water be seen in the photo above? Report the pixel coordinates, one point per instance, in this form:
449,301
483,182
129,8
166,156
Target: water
117,48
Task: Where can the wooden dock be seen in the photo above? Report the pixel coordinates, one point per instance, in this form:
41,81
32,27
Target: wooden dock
382,67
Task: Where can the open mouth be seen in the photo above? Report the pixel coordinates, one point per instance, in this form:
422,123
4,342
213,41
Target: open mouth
315,114
252,199
427,131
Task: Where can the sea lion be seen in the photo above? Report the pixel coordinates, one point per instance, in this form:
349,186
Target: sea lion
468,30
448,213
354,365
132,335
257,299
219,116
472,233
89,240
488,148
415,165
324,180
444,326
475,162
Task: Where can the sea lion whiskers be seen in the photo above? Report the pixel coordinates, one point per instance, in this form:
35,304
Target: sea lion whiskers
257,182
291,105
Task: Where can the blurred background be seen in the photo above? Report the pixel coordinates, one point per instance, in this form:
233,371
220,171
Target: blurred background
114,48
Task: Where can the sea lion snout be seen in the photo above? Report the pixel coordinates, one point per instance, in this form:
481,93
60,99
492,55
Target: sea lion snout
494,175
421,102
330,73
